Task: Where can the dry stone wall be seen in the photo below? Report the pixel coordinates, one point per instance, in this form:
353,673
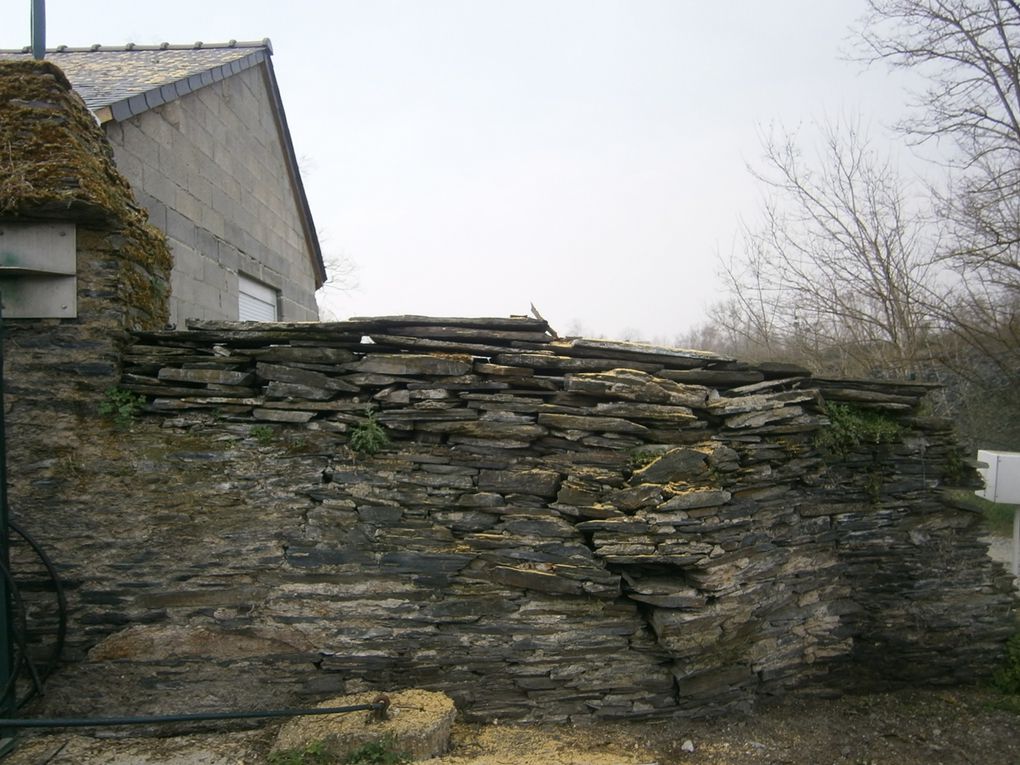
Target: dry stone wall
557,528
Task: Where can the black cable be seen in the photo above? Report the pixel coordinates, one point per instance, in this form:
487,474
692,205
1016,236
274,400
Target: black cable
379,706
14,595
81,722
58,589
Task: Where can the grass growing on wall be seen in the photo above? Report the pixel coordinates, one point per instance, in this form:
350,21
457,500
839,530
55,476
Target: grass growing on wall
996,516
851,427
369,437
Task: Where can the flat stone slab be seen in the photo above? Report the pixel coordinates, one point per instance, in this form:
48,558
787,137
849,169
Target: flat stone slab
418,724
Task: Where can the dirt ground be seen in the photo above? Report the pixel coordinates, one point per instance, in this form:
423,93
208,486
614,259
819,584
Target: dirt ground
958,727
945,727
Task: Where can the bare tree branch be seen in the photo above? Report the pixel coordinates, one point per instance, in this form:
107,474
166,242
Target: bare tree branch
838,267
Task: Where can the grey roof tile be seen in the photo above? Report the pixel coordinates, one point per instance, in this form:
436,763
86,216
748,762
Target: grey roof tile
104,75
120,82
121,111
136,104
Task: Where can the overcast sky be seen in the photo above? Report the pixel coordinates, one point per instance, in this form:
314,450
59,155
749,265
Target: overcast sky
474,156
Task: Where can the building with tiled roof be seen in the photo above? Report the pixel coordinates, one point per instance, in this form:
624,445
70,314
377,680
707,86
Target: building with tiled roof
200,133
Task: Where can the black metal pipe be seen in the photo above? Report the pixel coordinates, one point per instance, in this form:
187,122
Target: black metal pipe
100,722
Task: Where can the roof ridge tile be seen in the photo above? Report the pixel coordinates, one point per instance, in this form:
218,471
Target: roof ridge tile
265,42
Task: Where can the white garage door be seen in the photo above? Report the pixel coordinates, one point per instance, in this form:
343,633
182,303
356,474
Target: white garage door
255,301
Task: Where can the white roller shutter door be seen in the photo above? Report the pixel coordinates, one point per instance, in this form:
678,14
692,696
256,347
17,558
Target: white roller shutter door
255,301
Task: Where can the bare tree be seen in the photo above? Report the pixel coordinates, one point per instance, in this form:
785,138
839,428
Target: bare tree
969,53
341,278
751,320
837,270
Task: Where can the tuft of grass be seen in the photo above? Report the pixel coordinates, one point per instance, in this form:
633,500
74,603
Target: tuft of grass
1006,703
263,434
313,753
382,751
1007,679
996,516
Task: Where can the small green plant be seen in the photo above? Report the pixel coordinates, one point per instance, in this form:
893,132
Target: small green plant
122,406
298,445
639,458
873,485
955,468
382,751
263,434
313,753
368,437
851,426
1007,679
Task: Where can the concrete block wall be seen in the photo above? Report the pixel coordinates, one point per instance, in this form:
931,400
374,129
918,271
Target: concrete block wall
210,169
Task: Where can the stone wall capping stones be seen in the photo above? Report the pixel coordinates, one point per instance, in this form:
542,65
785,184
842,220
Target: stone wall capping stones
714,377
434,344
545,360
780,369
675,358
492,323
469,334
771,384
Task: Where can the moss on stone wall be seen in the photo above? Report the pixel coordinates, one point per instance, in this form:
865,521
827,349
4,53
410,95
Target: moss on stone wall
55,163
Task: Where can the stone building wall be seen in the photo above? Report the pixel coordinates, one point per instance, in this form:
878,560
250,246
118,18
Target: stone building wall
557,529
210,169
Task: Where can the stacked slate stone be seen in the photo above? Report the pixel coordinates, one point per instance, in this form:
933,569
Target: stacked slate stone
907,557
567,527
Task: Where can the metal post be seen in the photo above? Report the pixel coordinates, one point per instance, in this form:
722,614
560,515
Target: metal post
38,29
1016,543
8,702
